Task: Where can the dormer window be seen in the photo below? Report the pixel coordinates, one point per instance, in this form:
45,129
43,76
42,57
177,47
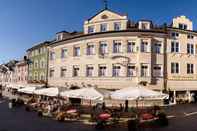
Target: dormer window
144,25
90,29
117,26
183,26
59,37
103,27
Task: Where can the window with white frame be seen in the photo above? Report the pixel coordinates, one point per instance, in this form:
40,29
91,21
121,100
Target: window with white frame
52,55
117,46
90,49
190,68
42,64
90,29
144,70
190,36
130,46
174,68
63,72
76,51
103,48
174,34
103,27
116,70
59,37
64,53
190,48
36,64
182,26
51,73
102,70
42,77
36,76
89,70
144,46
157,71
131,70
117,26
157,48
75,71
174,47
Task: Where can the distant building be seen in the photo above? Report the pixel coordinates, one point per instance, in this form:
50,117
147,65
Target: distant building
38,63
21,71
7,72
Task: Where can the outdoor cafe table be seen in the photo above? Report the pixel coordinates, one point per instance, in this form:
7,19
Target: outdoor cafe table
104,116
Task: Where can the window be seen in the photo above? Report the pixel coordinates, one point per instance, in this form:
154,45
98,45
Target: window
102,70
64,53
157,72
175,34
75,71
76,51
131,70
63,72
175,47
103,48
59,37
36,76
42,77
117,26
116,71
90,50
36,64
157,48
144,47
190,68
190,48
42,64
130,47
144,70
51,73
52,55
117,47
103,27
89,71
90,29
190,36
144,26
183,26
174,68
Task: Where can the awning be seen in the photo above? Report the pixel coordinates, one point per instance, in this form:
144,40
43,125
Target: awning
53,91
84,93
137,93
28,90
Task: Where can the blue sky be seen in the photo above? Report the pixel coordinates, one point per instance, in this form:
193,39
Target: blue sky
24,23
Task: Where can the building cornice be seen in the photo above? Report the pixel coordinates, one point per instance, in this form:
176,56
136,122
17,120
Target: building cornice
133,30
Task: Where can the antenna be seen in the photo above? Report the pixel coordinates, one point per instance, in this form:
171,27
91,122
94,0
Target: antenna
105,2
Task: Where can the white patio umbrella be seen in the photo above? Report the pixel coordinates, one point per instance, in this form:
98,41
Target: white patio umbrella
53,91
28,90
84,93
137,93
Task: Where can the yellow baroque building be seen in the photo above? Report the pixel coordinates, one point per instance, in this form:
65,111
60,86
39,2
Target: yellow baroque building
114,52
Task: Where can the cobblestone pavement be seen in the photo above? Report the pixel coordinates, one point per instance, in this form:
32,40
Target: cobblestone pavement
183,118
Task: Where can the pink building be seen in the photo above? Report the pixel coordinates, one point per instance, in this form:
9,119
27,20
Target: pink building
21,72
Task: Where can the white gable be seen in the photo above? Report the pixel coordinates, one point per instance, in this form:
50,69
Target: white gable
105,16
